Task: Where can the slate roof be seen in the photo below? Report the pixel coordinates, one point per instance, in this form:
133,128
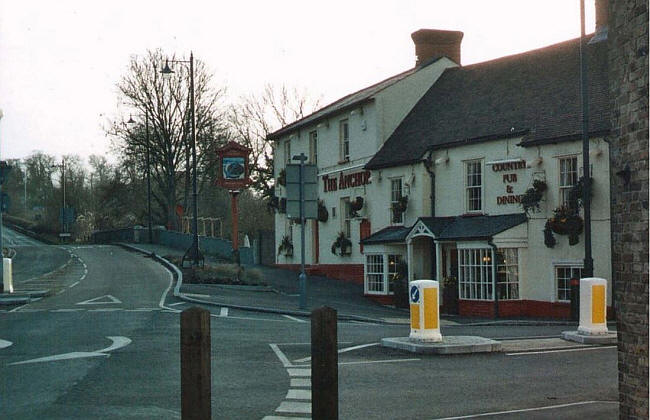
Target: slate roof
535,94
458,228
394,234
347,102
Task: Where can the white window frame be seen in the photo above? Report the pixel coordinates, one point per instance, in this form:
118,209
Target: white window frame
469,164
509,268
386,273
313,147
475,274
344,140
567,286
287,152
565,184
394,198
370,272
346,220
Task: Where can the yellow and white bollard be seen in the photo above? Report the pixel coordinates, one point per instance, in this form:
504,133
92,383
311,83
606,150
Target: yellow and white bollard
425,313
7,280
593,306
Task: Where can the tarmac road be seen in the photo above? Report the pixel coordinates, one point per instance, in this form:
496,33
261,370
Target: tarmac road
107,346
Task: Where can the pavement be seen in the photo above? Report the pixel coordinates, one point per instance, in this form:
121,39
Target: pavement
282,294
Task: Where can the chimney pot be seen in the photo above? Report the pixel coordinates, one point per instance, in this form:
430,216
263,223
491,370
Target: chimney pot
431,43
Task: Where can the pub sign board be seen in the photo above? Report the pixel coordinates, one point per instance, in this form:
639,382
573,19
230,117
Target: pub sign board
233,170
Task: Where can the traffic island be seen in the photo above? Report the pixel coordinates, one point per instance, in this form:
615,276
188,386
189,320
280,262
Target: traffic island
448,345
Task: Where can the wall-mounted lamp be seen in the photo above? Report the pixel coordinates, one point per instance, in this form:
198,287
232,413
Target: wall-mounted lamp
487,259
441,160
535,162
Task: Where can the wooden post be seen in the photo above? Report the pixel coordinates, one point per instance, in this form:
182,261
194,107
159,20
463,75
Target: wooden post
196,377
324,365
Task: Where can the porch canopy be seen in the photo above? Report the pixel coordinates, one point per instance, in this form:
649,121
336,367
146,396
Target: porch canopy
458,229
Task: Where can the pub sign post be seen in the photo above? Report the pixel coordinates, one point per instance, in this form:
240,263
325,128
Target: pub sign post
234,175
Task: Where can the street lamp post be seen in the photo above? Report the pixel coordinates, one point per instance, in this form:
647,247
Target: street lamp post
193,254
146,129
588,267
63,212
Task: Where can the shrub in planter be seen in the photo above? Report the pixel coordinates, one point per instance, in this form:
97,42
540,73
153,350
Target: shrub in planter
323,214
399,207
286,246
531,198
549,239
343,244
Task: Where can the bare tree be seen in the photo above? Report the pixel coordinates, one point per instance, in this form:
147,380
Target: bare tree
166,101
256,116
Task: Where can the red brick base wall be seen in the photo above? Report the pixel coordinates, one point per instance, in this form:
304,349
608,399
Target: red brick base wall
382,299
347,272
518,308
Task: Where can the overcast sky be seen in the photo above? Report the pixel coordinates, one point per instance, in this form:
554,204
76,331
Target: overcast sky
60,60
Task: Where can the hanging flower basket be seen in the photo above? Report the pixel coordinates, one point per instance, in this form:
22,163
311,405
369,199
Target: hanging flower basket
343,244
399,207
323,214
531,198
282,177
286,247
356,206
565,221
549,239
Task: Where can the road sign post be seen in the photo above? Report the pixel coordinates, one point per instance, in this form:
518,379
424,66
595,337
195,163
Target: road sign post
302,204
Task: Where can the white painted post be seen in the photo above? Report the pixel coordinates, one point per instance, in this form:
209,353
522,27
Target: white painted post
593,306
7,279
424,296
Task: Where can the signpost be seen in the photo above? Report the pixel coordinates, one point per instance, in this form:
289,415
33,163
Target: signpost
234,175
302,204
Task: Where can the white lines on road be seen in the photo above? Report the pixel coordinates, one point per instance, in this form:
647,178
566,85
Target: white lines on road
223,312
177,303
67,310
294,318
297,401
345,350
101,300
118,342
524,410
4,344
285,361
370,362
60,292
73,285
527,353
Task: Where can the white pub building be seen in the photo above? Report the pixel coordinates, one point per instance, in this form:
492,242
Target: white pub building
467,174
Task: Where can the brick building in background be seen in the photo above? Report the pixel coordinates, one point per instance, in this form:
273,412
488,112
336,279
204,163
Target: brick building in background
628,75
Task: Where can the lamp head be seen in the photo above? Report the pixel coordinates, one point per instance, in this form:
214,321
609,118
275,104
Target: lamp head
167,71
131,120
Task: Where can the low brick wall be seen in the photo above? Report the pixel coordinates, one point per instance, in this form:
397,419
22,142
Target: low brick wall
347,272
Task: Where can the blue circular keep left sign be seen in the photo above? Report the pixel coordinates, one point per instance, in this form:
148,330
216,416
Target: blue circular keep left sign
415,294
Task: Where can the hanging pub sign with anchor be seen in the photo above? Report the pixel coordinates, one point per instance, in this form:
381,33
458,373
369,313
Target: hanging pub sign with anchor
234,175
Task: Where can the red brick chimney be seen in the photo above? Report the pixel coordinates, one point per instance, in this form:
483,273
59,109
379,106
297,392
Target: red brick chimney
430,43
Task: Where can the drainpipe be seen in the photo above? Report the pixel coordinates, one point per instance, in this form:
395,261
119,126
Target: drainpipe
428,164
494,277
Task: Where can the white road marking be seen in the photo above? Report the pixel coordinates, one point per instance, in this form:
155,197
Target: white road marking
223,312
300,382
177,303
82,277
142,310
196,295
345,350
294,318
285,361
285,418
73,284
308,344
294,407
101,300
299,372
548,407
560,351
370,362
4,344
105,310
298,394
18,308
161,303
118,343
60,292
67,310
